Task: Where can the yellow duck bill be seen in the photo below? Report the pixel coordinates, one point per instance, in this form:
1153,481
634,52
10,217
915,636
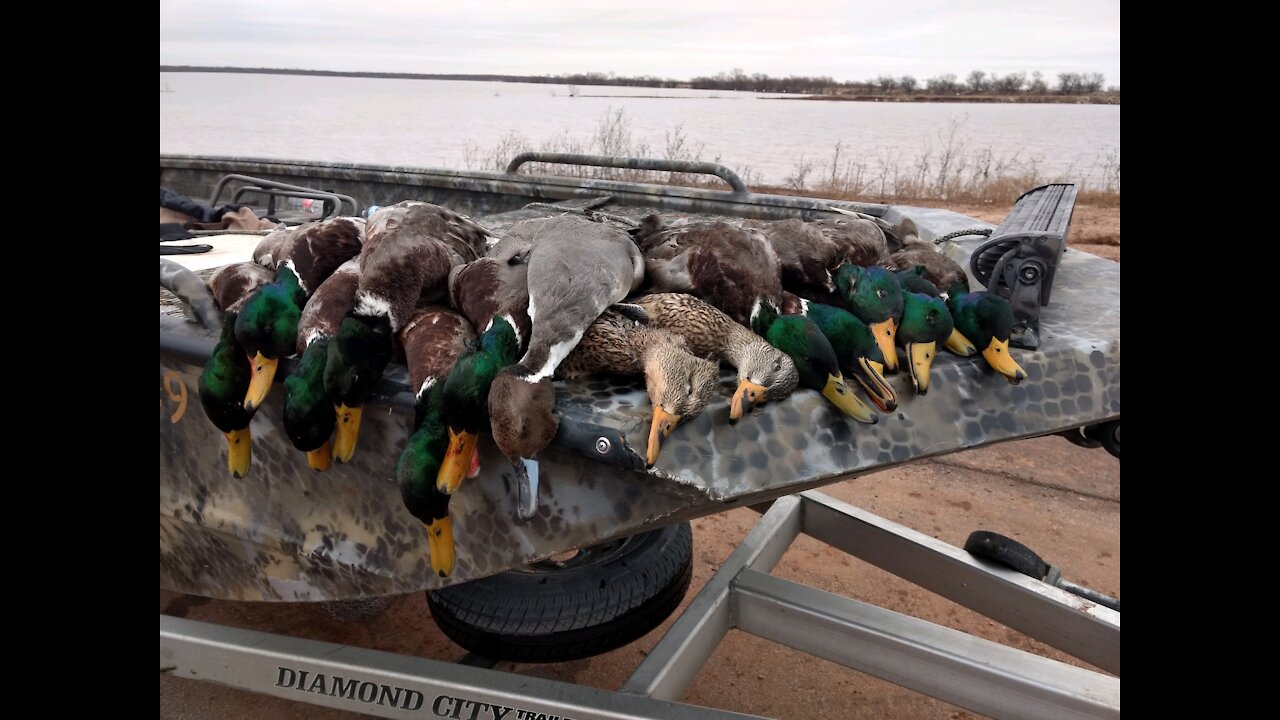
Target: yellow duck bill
886,334
659,429
746,396
871,378
961,345
344,444
457,461
997,356
322,457
239,451
440,544
842,397
921,355
263,371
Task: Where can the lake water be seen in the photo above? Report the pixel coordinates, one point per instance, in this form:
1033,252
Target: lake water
470,124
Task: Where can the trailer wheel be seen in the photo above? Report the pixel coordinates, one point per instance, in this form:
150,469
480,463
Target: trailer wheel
600,599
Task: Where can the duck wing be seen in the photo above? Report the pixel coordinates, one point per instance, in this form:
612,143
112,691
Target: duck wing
806,255
939,269
433,339
730,267
576,269
409,250
858,241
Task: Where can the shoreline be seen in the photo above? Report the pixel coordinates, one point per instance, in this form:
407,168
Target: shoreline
1090,99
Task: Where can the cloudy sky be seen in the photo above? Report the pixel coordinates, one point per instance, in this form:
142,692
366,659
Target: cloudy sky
669,38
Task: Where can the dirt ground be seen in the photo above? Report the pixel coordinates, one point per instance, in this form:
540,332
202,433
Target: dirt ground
1061,500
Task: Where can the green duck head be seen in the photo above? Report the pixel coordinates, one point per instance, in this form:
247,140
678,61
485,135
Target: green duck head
987,320
856,350
814,358
267,328
466,397
222,384
357,356
416,472
926,322
309,417
874,295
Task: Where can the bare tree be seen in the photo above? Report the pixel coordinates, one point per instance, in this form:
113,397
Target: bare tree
887,83
1037,85
943,84
1068,83
907,83
1092,82
1008,84
978,81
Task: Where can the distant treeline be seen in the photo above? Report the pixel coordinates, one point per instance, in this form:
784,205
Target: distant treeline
977,82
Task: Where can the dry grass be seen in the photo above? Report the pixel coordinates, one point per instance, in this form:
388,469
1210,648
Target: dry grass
947,168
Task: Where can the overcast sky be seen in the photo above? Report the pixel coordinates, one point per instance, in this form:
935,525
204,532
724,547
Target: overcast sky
668,38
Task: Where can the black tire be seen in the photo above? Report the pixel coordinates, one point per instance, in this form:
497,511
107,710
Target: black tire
599,600
1109,435
1006,551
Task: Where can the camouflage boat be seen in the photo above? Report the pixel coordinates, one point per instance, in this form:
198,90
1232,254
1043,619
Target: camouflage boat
286,533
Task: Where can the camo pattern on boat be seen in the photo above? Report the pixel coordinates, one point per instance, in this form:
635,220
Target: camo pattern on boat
286,532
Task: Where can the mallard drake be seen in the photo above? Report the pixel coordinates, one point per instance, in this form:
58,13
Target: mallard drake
222,386
855,346
492,293
433,339
577,268
679,383
736,270
875,297
764,372
409,249
267,326
925,323
822,261
309,416
986,319
913,280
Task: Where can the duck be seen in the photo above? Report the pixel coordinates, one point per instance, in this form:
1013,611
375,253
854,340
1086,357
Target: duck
679,383
309,415
857,352
913,280
222,385
926,322
737,270
908,251
492,293
226,376
824,260
433,339
987,320
576,269
409,250
267,324
764,372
